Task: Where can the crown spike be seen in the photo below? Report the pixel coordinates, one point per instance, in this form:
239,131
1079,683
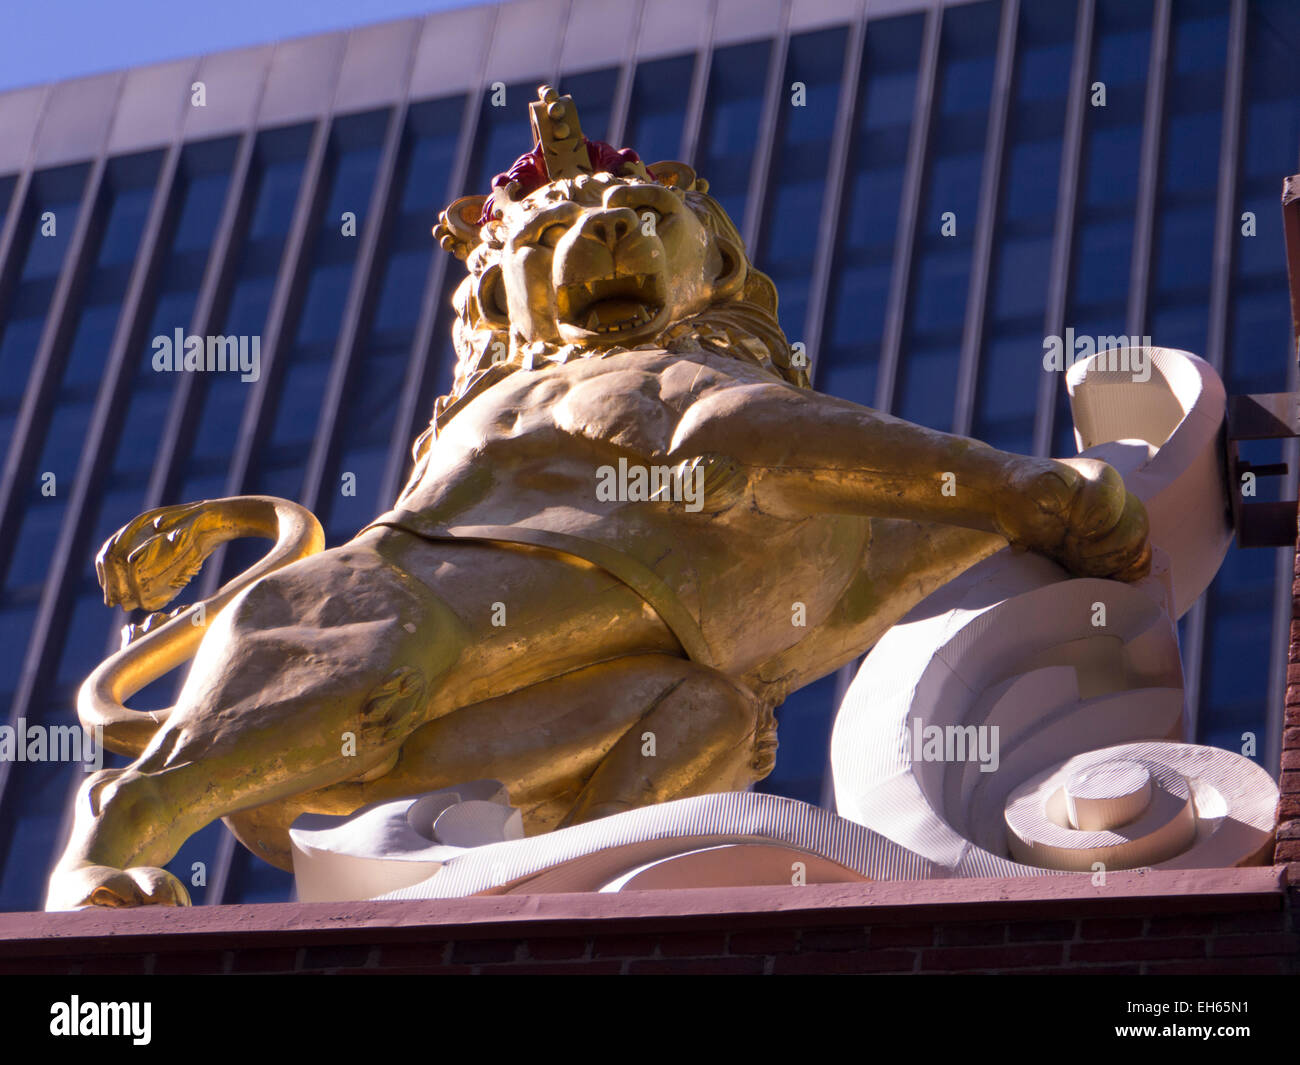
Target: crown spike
557,131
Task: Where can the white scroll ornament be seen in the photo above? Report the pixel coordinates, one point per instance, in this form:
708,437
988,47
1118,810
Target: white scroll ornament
1019,720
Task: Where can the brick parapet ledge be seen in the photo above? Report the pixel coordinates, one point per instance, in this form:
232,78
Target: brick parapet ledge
1161,921
1288,806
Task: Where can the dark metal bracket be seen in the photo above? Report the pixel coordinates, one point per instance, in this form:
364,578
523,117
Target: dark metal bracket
1265,416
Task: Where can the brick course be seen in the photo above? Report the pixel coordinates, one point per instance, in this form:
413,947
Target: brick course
1188,921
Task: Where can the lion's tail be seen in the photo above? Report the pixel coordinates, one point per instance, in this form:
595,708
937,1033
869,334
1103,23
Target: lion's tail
100,702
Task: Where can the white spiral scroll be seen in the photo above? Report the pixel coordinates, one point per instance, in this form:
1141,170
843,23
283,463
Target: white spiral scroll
1019,720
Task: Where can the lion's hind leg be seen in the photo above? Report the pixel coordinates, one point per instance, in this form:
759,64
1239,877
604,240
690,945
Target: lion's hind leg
703,733
611,736
86,883
315,676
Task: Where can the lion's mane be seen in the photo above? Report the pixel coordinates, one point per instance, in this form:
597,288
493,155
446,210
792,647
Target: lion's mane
742,326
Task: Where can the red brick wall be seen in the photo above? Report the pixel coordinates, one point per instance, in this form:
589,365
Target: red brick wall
1203,921
1288,807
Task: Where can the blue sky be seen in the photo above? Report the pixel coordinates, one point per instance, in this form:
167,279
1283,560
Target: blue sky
49,40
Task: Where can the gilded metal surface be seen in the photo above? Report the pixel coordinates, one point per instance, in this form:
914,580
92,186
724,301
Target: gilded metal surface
630,532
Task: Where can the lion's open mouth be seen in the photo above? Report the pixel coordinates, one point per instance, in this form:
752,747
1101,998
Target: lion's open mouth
612,304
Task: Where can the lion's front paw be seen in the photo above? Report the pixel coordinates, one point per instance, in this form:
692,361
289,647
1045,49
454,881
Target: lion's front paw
83,886
1079,513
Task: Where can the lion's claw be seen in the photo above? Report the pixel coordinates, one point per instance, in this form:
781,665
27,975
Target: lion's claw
84,886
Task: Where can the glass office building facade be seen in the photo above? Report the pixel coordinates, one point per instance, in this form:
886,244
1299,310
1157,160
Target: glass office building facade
213,195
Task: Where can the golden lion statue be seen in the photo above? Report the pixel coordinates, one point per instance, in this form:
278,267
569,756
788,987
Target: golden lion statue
632,516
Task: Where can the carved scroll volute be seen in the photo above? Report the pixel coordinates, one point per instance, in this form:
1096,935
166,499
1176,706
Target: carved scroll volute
677,175
458,227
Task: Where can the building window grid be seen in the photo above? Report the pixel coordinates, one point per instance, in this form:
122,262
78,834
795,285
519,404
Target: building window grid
935,323
402,266
36,515
495,145
201,458
1006,398
848,354
306,362
33,336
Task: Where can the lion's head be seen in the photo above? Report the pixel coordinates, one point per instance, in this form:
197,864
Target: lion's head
624,256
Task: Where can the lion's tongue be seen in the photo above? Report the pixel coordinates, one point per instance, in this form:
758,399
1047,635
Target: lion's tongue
615,312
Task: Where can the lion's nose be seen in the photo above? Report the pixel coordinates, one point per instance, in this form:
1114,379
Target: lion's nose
608,227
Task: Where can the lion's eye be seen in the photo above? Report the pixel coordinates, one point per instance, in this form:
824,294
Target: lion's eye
651,219
550,236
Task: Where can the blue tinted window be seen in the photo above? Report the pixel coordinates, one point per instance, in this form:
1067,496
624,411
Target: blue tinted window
503,135
204,846
658,108
194,230
55,208
127,212
22,336
253,880
379,373
77,369
442,362
1189,177
732,112
593,92
37,536
402,290
6,194
928,380
432,150
1108,185
281,156
937,310
327,291
16,620
1009,374
274,211
1011,369
797,181
125,224
1234,685
804,723
50,217
22,883
303,370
